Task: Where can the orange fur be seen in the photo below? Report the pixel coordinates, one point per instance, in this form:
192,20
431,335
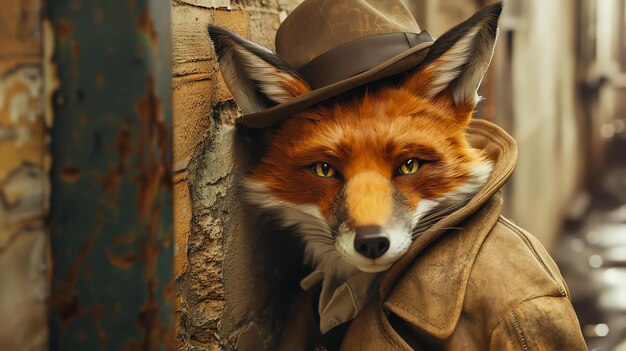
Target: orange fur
369,199
295,86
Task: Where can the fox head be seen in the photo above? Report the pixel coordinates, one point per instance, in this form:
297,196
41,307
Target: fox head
362,175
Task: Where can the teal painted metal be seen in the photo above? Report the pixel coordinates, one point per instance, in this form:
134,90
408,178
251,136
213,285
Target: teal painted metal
111,212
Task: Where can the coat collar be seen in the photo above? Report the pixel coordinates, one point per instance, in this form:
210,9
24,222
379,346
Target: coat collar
448,267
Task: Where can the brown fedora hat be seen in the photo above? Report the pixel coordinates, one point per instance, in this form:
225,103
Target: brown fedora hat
331,45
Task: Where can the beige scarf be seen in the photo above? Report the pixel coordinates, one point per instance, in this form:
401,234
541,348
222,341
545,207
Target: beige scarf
340,301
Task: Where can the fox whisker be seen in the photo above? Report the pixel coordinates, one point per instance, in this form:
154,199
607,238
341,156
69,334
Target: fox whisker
443,211
314,233
325,252
323,231
433,217
317,236
295,209
321,241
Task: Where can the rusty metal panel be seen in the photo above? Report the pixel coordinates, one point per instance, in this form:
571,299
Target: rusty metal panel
111,205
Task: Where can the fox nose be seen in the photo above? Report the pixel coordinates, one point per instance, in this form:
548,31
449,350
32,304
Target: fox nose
371,241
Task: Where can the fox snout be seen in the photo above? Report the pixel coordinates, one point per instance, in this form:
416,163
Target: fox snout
371,241
374,232
369,205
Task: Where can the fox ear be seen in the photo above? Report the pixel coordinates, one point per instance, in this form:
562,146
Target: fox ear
256,77
459,59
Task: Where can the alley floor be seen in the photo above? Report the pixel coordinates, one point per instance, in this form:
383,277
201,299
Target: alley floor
592,258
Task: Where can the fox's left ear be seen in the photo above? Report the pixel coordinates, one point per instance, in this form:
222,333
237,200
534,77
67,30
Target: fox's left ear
256,77
459,59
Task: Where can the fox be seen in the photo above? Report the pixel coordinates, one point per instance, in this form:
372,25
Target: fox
365,175
362,176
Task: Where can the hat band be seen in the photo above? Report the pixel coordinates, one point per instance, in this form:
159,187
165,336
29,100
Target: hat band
358,56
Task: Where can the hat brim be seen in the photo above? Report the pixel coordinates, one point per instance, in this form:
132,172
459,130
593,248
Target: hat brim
403,62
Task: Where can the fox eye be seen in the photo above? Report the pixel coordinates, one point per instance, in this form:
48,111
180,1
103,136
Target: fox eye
410,166
324,170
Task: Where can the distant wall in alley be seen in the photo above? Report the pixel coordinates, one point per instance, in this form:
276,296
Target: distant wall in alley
546,119
530,91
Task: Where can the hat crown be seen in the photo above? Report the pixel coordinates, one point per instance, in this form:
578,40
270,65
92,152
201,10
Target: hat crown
318,26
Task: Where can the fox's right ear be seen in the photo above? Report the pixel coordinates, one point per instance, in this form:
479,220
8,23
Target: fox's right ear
458,60
256,77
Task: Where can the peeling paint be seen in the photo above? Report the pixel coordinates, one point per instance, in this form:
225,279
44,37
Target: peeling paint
20,93
24,196
70,173
63,29
209,4
146,26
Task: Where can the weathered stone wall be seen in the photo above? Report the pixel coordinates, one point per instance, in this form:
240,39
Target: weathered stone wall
546,116
218,259
24,185
531,91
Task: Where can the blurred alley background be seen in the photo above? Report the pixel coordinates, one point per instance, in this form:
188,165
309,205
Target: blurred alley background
557,83
116,164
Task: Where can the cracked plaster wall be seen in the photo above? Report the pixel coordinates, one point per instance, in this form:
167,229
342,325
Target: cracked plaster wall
228,279
24,185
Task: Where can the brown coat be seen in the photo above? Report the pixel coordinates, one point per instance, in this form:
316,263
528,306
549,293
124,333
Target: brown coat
475,281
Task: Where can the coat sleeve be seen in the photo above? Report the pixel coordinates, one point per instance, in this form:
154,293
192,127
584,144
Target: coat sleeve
543,323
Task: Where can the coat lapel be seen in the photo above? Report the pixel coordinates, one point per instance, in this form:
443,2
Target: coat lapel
427,285
430,293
